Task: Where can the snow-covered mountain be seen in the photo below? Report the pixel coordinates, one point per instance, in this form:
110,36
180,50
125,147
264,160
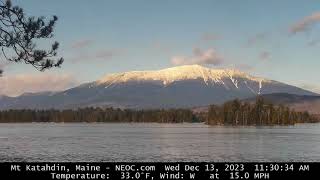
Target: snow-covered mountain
181,86
181,73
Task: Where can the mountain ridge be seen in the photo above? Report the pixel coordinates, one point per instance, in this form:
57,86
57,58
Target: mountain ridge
176,87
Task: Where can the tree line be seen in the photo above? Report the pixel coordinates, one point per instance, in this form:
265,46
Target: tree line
98,115
230,113
258,113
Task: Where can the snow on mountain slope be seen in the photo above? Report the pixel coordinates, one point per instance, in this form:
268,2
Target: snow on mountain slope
180,73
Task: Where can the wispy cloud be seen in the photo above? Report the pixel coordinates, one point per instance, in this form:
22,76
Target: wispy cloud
265,55
81,44
210,37
204,57
104,54
257,38
313,42
305,24
21,83
161,46
3,65
244,67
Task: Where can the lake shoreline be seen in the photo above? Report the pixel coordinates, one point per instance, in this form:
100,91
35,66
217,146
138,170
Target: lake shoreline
159,123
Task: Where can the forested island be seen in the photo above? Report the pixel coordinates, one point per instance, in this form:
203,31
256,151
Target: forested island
231,113
258,113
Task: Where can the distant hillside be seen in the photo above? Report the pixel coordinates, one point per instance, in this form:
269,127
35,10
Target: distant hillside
297,102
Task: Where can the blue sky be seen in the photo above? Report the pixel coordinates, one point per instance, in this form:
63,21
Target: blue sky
275,39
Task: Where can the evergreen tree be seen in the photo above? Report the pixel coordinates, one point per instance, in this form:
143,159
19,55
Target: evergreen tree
19,35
